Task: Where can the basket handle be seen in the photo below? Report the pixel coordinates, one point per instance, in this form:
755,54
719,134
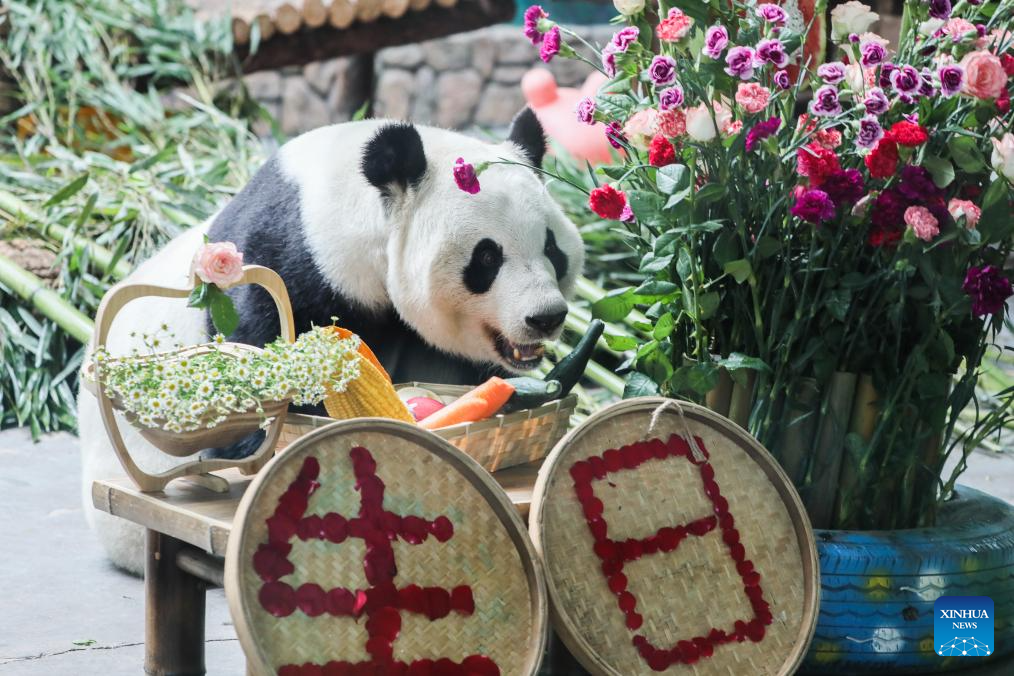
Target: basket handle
124,292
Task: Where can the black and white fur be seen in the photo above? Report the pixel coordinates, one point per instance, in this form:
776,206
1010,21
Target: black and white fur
364,222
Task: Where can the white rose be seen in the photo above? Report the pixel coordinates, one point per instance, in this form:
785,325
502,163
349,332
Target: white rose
856,77
1003,156
930,26
700,126
852,17
629,7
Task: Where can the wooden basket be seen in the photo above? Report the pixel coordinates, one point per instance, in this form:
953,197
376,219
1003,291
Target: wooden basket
235,427
373,542
664,554
499,442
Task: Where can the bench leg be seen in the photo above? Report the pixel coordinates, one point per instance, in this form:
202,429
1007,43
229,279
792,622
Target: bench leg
173,612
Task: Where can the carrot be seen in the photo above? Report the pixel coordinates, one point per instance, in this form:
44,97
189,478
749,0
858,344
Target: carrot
364,349
478,404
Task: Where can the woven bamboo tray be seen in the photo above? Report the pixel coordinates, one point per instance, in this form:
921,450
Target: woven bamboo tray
496,443
662,556
450,572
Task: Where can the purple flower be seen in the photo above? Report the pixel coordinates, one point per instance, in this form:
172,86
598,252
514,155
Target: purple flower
908,99
465,177
940,9
761,131
906,79
869,132
926,87
585,110
825,101
609,59
889,209
872,54
988,288
854,38
532,16
876,102
662,70
627,214
917,185
782,80
832,72
771,13
951,78
716,39
844,187
614,134
814,206
771,51
739,62
885,74
670,98
550,44
626,37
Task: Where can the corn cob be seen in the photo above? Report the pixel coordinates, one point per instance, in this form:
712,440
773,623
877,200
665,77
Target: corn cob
369,395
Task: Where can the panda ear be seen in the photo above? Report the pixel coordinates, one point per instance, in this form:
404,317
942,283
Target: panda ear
394,157
526,132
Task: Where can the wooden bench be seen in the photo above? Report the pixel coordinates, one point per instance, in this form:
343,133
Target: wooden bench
187,531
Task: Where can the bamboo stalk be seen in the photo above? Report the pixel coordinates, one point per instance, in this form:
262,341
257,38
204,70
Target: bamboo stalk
314,13
799,423
741,400
865,413
45,300
720,397
100,256
821,492
341,14
287,19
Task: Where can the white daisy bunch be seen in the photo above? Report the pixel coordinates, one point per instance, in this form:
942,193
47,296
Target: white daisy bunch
182,391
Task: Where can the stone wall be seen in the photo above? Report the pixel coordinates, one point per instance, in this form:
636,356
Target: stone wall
469,80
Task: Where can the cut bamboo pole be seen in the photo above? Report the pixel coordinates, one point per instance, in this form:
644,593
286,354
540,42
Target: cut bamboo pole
51,304
240,30
287,19
314,13
266,26
101,257
341,14
821,494
416,5
720,397
368,10
863,423
799,424
741,400
394,9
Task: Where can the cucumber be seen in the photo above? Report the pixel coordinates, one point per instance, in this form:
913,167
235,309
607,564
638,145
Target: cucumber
571,367
530,393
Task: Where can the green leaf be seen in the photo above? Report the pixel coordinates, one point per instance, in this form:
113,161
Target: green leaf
996,223
639,385
657,366
655,289
663,327
198,298
711,192
652,264
838,302
672,177
708,304
615,305
699,377
223,312
941,170
966,154
767,247
620,343
152,160
739,269
68,190
647,206
737,361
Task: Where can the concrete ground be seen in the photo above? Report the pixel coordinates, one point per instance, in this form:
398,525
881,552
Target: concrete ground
65,611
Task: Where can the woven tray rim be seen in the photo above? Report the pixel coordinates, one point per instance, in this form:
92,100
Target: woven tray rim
562,624
470,470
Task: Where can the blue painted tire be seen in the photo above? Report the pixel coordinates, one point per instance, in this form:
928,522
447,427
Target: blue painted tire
878,588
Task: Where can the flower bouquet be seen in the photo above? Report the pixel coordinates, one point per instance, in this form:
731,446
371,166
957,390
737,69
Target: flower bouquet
825,239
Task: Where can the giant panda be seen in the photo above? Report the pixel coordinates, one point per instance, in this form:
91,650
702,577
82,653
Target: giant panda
364,222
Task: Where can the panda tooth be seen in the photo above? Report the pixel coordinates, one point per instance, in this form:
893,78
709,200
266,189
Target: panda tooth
539,351
517,354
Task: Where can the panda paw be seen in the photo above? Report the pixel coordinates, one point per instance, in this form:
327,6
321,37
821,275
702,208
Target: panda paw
243,448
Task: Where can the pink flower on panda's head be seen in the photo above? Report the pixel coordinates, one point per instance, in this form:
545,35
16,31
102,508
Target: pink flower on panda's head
219,263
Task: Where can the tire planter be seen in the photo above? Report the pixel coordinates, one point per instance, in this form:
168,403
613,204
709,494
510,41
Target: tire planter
878,588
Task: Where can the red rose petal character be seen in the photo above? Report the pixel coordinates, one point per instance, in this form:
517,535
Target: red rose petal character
462,601
442,528
277,598
311,599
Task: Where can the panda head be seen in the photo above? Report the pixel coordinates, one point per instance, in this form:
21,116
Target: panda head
483,276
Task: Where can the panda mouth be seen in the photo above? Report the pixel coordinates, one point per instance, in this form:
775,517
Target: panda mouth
522,356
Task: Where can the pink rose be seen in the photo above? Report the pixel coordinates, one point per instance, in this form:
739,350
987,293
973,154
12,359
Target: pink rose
984,75
641,128
959,208
922,223
219,263
752,97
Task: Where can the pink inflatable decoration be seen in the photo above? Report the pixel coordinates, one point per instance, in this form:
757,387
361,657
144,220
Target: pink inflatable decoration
554,106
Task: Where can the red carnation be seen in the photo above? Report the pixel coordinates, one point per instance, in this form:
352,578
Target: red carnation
1003,102
816,163
1007,61
661,152
607,202
884,159
908,134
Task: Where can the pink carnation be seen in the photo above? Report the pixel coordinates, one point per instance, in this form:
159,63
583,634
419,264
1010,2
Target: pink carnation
219,263
674,27
969,210
672,123
922,223
752,97
641,127
956,28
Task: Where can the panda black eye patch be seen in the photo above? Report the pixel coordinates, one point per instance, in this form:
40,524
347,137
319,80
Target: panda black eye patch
482,269
555,256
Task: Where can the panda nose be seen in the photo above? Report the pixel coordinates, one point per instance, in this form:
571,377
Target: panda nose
546,323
